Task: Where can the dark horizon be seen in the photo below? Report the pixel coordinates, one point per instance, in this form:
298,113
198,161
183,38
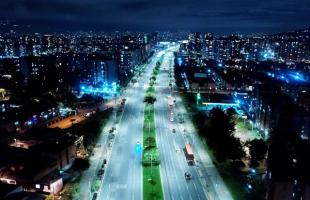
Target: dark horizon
39,28
222,17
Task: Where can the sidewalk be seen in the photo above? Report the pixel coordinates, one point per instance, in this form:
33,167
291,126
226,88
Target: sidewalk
101,152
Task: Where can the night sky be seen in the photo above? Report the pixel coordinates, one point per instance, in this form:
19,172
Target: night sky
219,16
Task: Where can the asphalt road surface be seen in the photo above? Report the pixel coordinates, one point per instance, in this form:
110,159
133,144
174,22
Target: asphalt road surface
173,163
123,176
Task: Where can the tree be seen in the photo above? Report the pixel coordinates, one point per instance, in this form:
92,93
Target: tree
80,164
258,149
199,119
70,98
49,197
231,112
153,183
220,136
150,142
150,99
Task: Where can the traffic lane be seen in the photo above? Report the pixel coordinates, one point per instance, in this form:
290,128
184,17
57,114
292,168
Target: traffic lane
179,161
209,175
119,166
176,172
171,186
114,176
197,185
133,128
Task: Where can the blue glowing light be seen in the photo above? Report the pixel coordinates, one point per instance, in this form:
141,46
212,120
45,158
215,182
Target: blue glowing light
296,76
179,60
138,148
271,74
250,186
34,119
265,55
105,89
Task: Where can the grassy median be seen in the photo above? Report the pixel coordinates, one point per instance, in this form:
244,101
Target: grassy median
152,188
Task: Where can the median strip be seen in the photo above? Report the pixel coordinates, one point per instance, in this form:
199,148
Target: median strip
152,188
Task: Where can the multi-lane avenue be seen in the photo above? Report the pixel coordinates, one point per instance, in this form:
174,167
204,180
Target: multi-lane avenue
122,178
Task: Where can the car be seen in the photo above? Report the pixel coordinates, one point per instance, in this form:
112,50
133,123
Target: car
100,172
111,136
173,130
95,196
188,176
104,163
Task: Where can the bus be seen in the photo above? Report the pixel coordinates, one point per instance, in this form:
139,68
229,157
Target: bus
189,154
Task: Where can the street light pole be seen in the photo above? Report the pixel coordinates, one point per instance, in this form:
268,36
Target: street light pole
89,185
151,165
114,114
149,127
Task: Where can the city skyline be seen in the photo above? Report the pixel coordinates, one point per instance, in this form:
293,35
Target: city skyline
154,100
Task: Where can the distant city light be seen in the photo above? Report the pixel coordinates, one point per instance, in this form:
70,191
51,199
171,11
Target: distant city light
289,76
179,60
268,54
105,90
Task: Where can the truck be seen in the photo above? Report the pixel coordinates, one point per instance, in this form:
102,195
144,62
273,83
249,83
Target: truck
189,154
170,101
180,118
